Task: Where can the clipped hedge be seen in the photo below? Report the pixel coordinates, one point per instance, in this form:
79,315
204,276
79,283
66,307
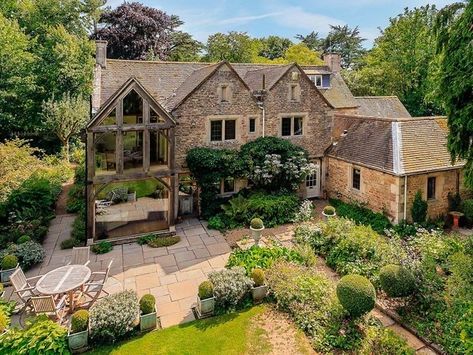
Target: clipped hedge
356,294
397,281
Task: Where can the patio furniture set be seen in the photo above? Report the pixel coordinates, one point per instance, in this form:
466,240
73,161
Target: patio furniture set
61,290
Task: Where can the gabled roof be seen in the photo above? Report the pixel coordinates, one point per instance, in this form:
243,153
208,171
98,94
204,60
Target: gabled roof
381,106
339,95
272,74
130,84
395,145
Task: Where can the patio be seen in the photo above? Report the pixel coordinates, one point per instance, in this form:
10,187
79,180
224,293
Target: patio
171,274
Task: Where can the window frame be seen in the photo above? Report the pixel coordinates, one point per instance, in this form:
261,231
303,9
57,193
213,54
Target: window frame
250,120
353,174
314,77
292,118
429,186
223,129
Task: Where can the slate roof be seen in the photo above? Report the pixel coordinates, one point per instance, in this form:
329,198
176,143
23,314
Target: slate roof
170,82
395,145
381,106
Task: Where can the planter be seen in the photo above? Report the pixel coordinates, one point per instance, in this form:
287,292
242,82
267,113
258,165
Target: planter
131,197
78,341
327,216
205,308
148,321
5,275
259,293
256,234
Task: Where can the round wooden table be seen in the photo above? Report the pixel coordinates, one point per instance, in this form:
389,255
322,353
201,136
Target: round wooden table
65,279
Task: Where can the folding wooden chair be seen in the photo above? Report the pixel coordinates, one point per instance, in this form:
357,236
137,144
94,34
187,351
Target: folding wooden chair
80,256
24,287
94,287
47,305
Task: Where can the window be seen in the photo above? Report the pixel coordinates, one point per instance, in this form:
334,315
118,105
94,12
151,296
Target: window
132,108
224,94
105,153
292,126
228,185
293,92
311,180
252,125
356,179
111,119
431,188
154,117
158,149
133,150
317,80
222,130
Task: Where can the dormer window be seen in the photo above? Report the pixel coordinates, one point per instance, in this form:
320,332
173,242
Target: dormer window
317,80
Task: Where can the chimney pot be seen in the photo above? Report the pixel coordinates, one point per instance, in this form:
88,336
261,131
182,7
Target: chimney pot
101,53
332,60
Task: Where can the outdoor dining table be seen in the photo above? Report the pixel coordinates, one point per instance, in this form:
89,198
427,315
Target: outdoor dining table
65,279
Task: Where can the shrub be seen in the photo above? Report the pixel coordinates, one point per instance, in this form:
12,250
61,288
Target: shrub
78,232
262,258
230,286
257,275
361,215
102,247
419,208
23,239
383,341
114,316
257,223
4,321
40,334
29,254
356,294
307,254
305,212
75,198
467,207
147,304
9,262
155,241
206,290
217,223
69,243
397,281
79,321
1,288
329,210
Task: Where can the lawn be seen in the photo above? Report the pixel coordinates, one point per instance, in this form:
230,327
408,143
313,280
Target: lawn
236,333
142,187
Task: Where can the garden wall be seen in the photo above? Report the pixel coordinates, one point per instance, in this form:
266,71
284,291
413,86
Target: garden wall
380,191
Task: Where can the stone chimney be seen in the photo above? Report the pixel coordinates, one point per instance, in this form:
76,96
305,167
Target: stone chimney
101,53
333,61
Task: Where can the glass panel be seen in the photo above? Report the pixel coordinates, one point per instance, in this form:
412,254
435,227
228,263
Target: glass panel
105,153
252,125
132,108
356,179
215,131
286,126
154,117
431,187
228,185
297,126
230,129
111,119
318,80
131,207
133,150
158,149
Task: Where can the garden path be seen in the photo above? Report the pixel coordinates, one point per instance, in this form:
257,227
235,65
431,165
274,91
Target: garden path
172,274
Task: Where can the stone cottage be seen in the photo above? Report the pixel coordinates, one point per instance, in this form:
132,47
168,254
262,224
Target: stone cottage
148,114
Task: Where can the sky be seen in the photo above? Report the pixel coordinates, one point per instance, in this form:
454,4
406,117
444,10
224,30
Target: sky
287,18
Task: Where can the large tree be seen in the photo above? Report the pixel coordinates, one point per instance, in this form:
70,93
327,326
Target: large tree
135,31
402,62
236,47
274,47
345,41
455,47
312,40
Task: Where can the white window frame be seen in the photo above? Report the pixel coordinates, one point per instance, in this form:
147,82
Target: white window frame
222,187
314,77
292,117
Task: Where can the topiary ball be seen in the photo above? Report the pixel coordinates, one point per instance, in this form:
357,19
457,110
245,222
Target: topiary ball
9,262
206,290
256,223
356,294
79,321
147,304
397,281
258,277
329,210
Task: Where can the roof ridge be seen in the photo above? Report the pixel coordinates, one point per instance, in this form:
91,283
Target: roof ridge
376,97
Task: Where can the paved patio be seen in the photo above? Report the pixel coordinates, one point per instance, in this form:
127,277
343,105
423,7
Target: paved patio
172,274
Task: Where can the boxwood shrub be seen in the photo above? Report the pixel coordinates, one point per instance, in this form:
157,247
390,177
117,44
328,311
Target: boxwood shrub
356,294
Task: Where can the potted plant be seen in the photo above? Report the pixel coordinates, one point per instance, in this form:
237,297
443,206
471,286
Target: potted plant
131,196
78,335
259,291
8,266
205,299
328,212
257,227
148,318
2,291
4,322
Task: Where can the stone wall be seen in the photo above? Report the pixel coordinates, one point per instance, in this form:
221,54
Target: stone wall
380,191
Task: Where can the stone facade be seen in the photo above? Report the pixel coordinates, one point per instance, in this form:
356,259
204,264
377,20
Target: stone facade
378,190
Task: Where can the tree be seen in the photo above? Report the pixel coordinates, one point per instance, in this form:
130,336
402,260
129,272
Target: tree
274,47
93,9
184,48
311,40
66,117
135,31
455,46
345,41
236,47
301,54
419,208
402,62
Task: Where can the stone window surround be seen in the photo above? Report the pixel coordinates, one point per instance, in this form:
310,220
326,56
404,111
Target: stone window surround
257,123
228,89
237,119
350,179
228,193
294,92
436,185
304,116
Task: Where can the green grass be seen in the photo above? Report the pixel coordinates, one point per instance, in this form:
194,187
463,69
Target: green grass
142,187
227,334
